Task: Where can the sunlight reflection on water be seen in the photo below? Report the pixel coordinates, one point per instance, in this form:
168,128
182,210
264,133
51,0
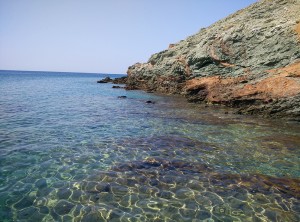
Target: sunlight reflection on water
72,150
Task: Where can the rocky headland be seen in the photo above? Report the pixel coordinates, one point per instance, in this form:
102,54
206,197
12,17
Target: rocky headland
249,60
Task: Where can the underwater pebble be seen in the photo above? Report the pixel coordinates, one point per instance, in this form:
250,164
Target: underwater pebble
64,193
44,210
76,194
103,187
63,207
203,215
166,194
41,183
187,213
184,193
30,214
44,191
24,203
93,216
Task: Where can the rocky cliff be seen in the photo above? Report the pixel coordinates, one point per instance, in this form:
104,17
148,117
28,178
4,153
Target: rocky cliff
249,60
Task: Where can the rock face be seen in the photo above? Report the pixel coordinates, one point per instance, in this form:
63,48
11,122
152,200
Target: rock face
249,60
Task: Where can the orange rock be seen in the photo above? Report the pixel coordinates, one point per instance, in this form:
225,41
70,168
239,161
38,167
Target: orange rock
297,29
292,70
281,83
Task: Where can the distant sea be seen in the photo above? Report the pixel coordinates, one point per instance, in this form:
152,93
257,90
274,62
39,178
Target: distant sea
73,150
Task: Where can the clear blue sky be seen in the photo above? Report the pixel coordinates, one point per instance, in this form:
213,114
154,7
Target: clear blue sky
103,36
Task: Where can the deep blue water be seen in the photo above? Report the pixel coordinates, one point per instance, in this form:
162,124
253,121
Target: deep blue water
71,150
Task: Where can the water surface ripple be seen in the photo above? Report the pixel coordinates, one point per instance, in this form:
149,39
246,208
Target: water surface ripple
71,150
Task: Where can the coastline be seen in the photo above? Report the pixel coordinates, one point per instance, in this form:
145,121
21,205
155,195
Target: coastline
252,67
267,108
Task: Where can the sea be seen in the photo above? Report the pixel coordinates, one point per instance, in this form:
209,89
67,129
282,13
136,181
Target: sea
72,149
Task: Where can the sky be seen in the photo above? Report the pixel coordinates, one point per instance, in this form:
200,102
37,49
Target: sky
99,36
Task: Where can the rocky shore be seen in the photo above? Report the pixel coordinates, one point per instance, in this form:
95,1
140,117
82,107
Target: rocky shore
249,60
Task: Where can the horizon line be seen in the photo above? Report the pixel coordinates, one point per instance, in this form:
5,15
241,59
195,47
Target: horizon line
12,70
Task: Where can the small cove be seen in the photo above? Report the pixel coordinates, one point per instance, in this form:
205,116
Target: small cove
71,150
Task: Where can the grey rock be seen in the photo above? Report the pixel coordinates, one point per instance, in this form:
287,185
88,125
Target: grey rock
105,80
246,44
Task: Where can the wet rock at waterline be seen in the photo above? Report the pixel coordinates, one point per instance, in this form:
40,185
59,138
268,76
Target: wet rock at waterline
150,102
105,80
117,87
121,80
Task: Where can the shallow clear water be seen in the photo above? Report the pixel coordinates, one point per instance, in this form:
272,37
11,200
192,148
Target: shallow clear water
71,150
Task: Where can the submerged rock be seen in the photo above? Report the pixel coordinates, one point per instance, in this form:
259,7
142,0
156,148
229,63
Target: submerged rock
41,183
249,60
157,170
63,207
116,87
150,102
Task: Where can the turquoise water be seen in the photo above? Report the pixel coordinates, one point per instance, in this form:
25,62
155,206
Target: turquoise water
71,150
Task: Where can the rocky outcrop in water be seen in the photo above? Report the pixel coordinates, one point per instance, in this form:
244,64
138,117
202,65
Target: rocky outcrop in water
105,80
120,80
249,60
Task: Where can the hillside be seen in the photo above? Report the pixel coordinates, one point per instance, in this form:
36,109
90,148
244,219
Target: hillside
249,60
